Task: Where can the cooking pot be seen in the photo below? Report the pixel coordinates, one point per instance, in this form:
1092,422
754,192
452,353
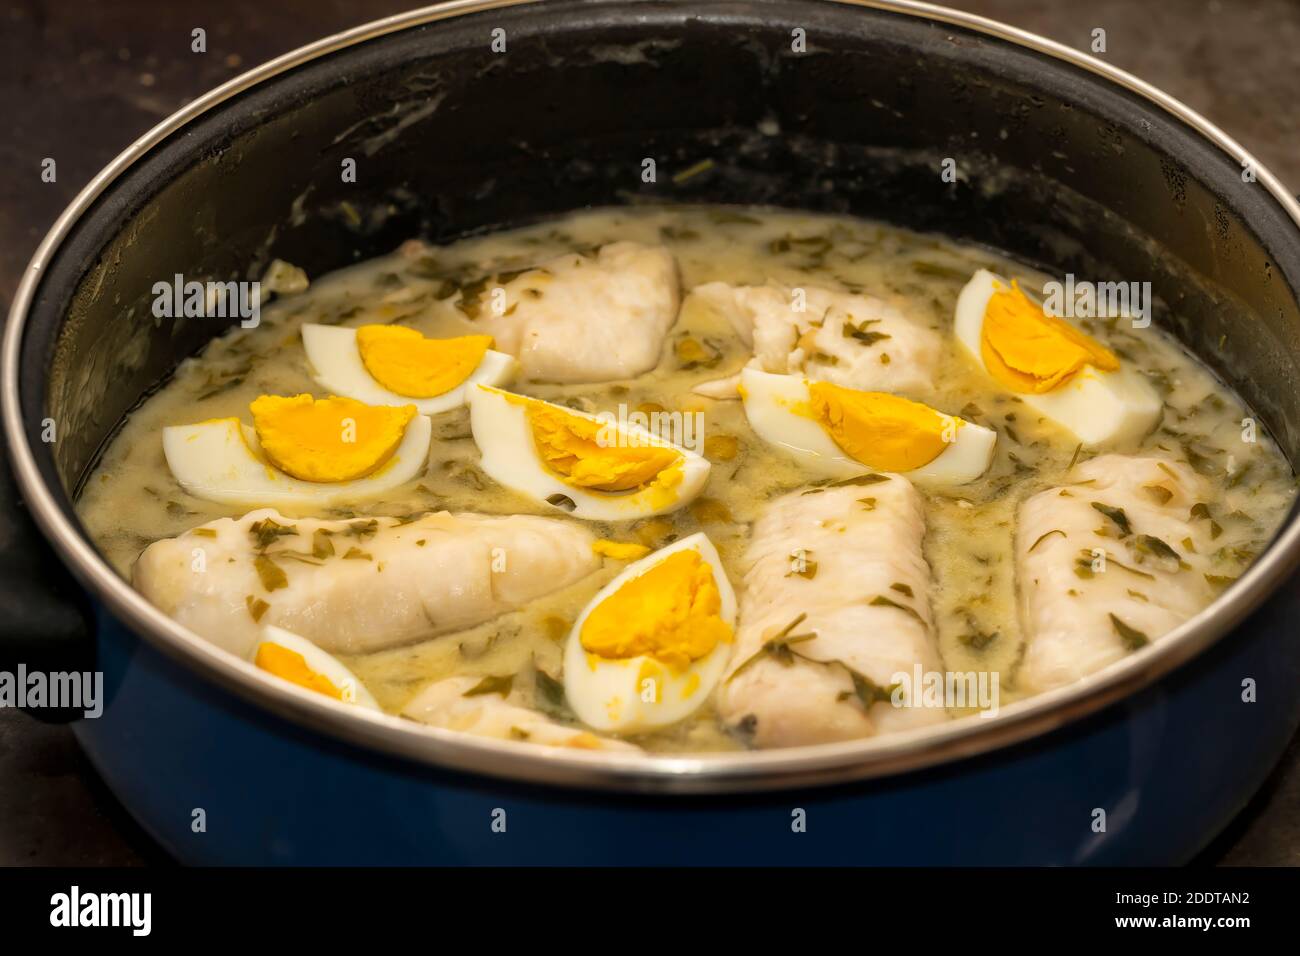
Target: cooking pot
480,114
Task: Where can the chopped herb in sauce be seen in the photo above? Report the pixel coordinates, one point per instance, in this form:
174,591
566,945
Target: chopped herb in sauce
779,647
1133,638
321,545
861,333
1044,537
1116,515
1158,493
868,691
267,531
548,695
362,529
256,607
492,685
977,639
271,574
1075,457
863,480
881,601
690,172
1150,544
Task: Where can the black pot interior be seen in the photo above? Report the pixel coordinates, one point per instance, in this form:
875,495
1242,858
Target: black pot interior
1057,167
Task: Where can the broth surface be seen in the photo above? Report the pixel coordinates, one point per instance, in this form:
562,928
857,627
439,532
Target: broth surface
132,500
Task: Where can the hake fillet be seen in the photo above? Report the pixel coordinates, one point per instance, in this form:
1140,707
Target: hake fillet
849,559
1103,565
359,585
858,341
589,319
444,704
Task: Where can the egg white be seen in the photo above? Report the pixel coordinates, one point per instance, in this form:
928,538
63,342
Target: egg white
336,366
509,457
770,403
1097,407
322,662
222,461
605,695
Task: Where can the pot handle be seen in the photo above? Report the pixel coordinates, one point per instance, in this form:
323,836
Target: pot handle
44,614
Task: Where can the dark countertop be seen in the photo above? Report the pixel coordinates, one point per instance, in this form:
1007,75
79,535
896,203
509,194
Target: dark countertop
82,80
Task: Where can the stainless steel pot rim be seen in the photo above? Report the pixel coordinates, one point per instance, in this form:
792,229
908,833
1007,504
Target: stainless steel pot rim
704,773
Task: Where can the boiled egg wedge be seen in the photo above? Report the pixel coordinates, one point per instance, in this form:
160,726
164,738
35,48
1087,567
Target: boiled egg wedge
394,365
1053,367
299,450
592,467
841,432
299,661
650,647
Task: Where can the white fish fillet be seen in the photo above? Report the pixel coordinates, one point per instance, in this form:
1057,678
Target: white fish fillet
1068,595
813,342
444,704
861,550
442,572
581,319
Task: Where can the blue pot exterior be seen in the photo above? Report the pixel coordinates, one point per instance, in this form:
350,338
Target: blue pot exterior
1169,766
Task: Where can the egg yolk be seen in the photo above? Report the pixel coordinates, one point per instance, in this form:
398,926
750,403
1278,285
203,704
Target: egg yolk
587,454
292,666
1028,350
880,430
620,550
404,361
669,612
328,439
